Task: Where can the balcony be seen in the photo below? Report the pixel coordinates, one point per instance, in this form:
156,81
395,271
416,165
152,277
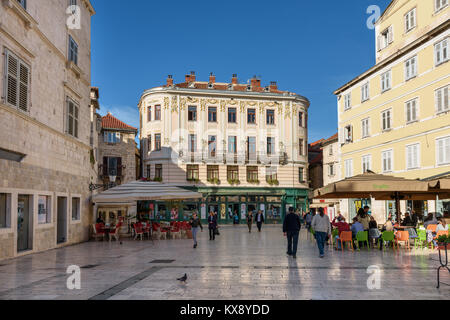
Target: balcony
240,158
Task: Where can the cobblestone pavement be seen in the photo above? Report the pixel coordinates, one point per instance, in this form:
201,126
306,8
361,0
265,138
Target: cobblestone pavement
238,265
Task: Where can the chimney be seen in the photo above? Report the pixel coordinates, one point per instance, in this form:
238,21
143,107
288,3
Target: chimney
255,82
234,79
212,78
169,80
273,86
190,77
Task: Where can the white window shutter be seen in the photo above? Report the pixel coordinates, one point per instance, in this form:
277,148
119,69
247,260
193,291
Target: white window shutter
379,43
390,35
447,150
12,64
445,99
24,79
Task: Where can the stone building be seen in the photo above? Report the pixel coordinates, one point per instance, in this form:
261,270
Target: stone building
45,126
243,146
117,151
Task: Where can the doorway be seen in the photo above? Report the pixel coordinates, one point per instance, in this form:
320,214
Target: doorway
61,234
24,223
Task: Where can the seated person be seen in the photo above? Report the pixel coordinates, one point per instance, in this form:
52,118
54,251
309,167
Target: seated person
407,222
342,226
374,233
356,227
100,220
430,219
442,226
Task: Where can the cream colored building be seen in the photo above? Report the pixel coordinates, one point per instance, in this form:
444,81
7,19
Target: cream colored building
244,146
395,117
45,120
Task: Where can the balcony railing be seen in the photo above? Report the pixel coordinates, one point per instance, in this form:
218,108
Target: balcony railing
239,158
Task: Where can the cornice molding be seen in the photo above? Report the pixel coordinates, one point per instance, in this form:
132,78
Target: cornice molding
17,43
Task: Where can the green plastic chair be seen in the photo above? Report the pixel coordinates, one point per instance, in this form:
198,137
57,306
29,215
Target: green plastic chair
387,236
421,239
363,236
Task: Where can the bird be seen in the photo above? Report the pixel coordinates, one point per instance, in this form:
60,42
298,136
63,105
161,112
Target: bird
183,278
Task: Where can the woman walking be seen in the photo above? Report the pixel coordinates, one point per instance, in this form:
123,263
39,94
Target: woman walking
212,225
250,221
195,224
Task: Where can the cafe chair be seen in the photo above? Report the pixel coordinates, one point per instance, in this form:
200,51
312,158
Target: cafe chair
421,239
362,236
98,231
402,236
387,237
346,236
114,233
138,231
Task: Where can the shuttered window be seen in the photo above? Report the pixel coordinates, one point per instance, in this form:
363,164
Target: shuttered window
411,111
443,151
72,118
442,100
410,20
440,4
387,161
411,68
441,51
386,81
17,82
73,50
412,156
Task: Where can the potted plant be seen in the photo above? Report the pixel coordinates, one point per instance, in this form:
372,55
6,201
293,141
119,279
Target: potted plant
443,242
234,181
214,181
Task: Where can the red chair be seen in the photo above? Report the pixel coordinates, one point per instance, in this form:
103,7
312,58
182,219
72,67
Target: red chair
99,231
175,232
115,232
138,230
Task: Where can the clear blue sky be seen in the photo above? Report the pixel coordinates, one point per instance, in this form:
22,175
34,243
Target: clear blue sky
307,47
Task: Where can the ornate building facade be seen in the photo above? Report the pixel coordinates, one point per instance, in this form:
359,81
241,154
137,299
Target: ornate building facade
243,146
45,126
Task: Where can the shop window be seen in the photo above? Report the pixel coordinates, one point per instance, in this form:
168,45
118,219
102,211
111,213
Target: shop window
5,210
76,213
44,210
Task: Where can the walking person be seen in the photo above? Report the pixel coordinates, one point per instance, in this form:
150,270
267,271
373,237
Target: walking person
259,220
322,228
250,221
291,230
212,225
196,224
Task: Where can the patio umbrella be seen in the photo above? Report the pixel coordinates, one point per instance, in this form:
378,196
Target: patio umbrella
377,186
440,187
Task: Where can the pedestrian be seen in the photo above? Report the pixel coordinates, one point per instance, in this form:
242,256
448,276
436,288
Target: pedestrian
308,219
322,228
212,225
291,230
259,220
196,224
236,218
249,221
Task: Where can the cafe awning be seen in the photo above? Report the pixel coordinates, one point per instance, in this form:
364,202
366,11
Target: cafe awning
144,191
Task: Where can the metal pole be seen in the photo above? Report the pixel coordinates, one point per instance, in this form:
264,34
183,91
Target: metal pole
397,206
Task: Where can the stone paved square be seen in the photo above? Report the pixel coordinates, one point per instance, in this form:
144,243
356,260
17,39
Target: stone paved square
238,265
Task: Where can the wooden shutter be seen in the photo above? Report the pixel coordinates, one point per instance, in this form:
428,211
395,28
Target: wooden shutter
105,166
12,65
119,167
24,75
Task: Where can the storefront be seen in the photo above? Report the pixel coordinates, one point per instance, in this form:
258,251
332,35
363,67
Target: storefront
228,203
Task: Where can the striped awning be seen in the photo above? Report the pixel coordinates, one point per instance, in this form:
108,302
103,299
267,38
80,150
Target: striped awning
144,191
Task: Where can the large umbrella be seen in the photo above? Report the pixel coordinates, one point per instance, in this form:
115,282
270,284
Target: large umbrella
377,186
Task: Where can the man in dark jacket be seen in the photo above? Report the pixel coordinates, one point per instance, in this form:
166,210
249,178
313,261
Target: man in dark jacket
212,225
291,229
259,220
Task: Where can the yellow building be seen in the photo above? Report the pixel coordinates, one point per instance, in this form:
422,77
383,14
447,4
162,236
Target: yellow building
395,117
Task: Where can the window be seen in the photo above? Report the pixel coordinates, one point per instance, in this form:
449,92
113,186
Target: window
76,209
386,120
72,118
17,82
347,101
157,113
212,146
23,3
440,4
300,119
149,143
212,173
301,147
111,137
366,163
348,134
233,173
232,144
411,111
410,20
387,164
192,143
301,175
411,68
386,81
443,151
158,171
365,92
44,210
442,99
330,150
251,116
348,168
111,166
385,38
149,114
231,115
252,173
212,114
331,172
270,115
148,171
365,128
5,210
271,174
73,51
192,172
412,156
270,145
158,142
192,113
441,51
251,147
